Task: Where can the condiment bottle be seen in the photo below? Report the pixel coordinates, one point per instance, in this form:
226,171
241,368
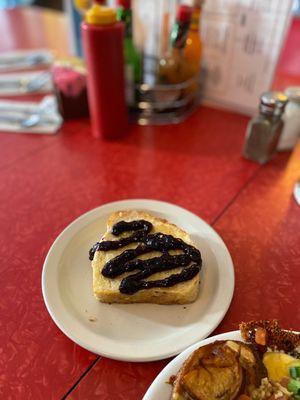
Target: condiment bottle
291,118
133,60
264,130
103,46
193,48
174,68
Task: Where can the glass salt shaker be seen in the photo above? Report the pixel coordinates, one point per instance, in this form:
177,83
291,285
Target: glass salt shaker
263,131
291,118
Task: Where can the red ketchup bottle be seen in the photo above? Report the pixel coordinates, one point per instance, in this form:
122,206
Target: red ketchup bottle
102,39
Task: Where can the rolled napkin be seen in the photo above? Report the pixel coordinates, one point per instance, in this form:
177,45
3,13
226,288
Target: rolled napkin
20,83
30,117
21,59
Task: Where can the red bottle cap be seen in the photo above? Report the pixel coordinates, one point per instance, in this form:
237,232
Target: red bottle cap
184,13
124,3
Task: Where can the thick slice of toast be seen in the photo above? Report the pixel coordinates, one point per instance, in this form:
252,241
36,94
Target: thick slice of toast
107,289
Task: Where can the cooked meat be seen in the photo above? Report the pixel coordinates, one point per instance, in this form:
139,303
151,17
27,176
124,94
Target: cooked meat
274,336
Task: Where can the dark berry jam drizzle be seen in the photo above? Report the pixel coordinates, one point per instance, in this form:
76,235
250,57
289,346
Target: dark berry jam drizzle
127,261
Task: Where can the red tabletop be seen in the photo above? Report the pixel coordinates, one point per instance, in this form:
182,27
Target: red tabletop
46,182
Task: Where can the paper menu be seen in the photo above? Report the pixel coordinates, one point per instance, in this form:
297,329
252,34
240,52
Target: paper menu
242,40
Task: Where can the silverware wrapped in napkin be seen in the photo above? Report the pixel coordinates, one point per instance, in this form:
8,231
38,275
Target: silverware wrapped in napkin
30,117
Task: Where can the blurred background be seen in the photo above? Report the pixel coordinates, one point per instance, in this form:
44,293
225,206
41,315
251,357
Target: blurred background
58,4
231,52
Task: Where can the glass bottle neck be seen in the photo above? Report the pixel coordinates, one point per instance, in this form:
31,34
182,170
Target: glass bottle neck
125,15
179,34
195,23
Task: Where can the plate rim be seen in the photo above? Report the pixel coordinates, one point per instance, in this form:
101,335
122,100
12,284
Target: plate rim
229,335
104,352
185,353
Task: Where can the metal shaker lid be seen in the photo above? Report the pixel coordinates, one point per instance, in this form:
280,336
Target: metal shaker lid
273,102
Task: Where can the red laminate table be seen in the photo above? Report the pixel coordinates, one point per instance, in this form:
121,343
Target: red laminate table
46,182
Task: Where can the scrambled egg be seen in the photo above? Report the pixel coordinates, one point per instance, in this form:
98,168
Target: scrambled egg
278,365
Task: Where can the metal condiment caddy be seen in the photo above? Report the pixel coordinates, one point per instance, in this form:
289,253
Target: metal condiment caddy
162,53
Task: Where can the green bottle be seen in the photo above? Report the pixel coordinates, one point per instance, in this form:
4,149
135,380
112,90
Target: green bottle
133,60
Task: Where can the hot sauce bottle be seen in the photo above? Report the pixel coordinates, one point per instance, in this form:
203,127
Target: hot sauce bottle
174,67
102,37
193,48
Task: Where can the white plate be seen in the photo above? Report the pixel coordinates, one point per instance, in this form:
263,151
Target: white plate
161,390
133,332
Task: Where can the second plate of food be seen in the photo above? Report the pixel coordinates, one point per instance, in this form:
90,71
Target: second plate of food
161,388
134,332
260,361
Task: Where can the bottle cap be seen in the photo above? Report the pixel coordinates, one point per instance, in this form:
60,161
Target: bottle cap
82,5
184,13
124,3
99,15
293,93
273,103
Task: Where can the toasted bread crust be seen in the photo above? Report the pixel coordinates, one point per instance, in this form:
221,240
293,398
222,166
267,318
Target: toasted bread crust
131,215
